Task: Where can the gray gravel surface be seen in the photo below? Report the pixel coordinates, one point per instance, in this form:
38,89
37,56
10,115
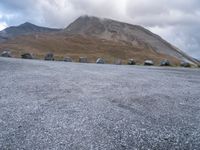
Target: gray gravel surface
58,105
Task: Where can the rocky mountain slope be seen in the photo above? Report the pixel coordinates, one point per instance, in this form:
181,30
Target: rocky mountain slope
127,33
23,29
93,37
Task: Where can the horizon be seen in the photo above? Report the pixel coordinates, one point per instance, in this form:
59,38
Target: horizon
174,21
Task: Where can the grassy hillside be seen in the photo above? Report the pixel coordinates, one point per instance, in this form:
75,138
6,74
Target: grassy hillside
76,46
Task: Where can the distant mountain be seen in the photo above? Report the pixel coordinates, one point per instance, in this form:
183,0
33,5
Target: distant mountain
118,31
198,60
23,29
93,37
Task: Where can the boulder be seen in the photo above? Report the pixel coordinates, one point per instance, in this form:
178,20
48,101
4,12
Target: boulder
118,62
68,59
185,64
49,57
83,60
148,63
27,56
100,61
165,63
131,62
6,54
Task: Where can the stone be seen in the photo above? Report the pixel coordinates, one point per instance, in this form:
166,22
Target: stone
27,56
131,62
6,54
100,61
83,60
49,57
148,63
68,59
185,64
165,63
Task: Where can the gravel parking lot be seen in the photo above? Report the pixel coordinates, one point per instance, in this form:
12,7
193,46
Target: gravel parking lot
58,105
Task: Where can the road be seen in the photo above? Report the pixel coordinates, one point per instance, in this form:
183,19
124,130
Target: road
58,105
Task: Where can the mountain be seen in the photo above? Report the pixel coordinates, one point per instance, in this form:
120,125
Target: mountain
123,32
93,37
23,29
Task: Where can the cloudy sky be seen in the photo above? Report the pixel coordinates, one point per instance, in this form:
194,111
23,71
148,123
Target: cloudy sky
175,20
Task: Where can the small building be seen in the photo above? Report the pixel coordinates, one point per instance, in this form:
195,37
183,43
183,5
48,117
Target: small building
131,62
100,61
68,59
185,64
165,62
27,56
83,60
6,53
49,57
148,63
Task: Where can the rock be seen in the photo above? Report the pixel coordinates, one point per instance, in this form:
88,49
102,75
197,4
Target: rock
148,63
118,62
185,64
83,60
68,59
6,54
27,56
131,62
100,61
165,63
49,57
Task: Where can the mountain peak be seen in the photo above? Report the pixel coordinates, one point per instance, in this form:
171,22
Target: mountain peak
24,29
90,17
27,24
95,26
135,35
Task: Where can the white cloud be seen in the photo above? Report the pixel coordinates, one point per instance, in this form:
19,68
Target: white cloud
3,25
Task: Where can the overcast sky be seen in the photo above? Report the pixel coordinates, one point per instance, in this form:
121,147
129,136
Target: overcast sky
175,20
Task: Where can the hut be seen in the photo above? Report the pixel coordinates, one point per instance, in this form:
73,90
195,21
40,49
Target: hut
100,61
131,62
27,56
49,57
83,60
148,63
